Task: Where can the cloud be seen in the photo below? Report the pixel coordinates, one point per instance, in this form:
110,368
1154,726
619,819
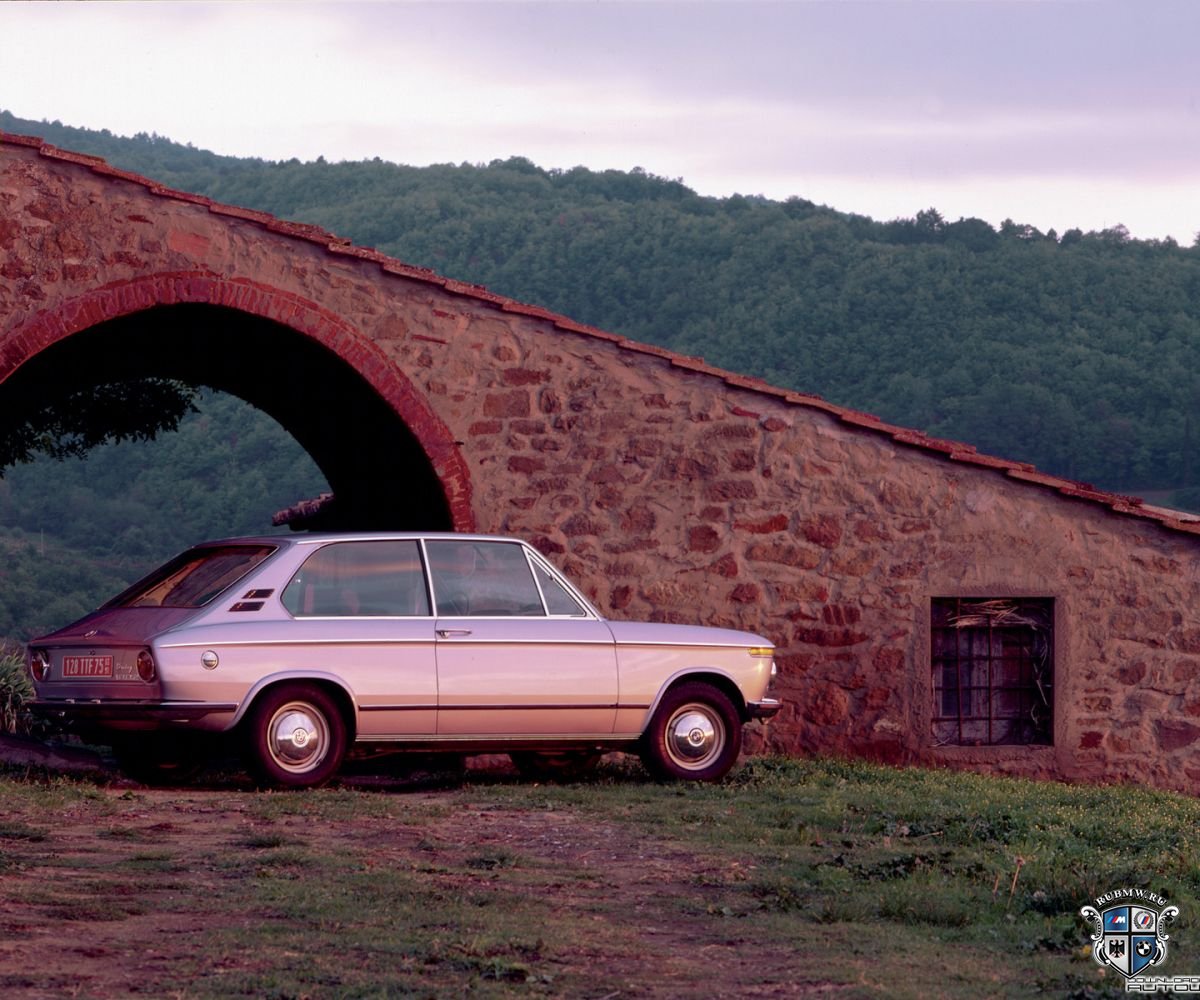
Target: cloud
944,101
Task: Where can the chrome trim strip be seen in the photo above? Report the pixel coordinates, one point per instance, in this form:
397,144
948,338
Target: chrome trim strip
167,706
685,645
458,640
429,640
479,642
501,739
398,708
384,640
491,707
128,709
297,642
499,708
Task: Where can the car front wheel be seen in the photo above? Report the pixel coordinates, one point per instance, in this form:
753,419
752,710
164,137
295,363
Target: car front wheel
296,737
695,734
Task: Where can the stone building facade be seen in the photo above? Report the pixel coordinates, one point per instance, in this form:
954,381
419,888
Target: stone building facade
929,604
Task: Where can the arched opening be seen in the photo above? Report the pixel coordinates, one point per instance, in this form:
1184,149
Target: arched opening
379,471
75,531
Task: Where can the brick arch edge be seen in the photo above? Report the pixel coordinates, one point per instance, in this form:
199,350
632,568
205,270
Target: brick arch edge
119,299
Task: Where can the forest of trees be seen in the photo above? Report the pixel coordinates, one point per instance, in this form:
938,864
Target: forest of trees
1079,352
73,533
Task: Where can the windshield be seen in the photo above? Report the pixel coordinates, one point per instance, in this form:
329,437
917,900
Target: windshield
193,579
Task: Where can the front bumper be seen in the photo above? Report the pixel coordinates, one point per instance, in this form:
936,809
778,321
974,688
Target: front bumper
766,709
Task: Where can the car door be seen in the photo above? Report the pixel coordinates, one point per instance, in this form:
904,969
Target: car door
362,613
517,655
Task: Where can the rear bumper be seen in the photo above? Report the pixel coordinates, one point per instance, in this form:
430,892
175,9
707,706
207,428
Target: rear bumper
765,709
130,714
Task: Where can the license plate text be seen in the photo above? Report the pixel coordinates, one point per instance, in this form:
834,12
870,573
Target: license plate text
87,666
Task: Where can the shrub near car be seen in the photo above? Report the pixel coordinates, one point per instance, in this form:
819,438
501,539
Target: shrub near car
310,647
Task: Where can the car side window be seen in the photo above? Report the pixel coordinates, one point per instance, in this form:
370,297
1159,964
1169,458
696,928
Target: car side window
482,579
558,600
360,580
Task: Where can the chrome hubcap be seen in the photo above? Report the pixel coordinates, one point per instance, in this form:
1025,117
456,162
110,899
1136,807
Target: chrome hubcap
298,736
694,736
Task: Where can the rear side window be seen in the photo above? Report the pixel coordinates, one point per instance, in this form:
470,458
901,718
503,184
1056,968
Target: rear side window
360,580
193,579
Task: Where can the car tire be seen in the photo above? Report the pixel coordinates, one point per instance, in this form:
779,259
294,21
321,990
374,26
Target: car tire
695,734
296,737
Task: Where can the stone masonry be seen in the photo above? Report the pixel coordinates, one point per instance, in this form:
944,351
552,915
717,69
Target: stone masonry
671,490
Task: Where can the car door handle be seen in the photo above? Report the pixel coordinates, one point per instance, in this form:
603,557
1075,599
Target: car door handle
446,633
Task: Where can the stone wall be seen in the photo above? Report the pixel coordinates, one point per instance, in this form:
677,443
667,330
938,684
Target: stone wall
677,499
670,490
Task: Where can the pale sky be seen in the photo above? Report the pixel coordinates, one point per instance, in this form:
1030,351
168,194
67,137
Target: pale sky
1056,113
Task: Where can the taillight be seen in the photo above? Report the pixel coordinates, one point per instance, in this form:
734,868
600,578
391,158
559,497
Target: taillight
145,665
39,664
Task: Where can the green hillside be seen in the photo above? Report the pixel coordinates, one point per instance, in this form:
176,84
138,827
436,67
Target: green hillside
73,533
1078,351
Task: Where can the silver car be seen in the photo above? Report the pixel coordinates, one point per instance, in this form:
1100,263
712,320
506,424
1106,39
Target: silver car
311,647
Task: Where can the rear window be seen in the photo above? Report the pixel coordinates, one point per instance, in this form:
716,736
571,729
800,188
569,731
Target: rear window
193,579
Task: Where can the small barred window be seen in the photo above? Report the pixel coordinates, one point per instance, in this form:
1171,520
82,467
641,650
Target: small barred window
993,671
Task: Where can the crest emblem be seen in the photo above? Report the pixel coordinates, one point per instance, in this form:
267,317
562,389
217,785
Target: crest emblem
1131,937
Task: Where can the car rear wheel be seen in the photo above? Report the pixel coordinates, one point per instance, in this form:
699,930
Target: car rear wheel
296,737
695,734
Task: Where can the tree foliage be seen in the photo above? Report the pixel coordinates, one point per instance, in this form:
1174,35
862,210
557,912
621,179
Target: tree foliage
73,424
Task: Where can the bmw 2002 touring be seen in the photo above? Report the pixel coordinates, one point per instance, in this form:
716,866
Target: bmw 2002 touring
310,647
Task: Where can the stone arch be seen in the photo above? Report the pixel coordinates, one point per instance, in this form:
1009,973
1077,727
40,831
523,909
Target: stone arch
390,459
667,488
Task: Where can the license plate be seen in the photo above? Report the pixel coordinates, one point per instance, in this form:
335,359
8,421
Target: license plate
87,666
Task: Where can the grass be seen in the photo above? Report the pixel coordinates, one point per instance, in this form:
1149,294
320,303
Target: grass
856,879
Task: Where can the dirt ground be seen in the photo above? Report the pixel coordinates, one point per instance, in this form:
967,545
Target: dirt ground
650,883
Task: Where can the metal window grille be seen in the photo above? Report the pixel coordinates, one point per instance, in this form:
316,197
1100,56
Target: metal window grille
993,671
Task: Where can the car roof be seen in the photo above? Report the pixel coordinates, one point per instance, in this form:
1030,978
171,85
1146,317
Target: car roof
314,538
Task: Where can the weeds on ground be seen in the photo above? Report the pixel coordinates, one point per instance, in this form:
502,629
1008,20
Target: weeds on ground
15,690
948,868
871,881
